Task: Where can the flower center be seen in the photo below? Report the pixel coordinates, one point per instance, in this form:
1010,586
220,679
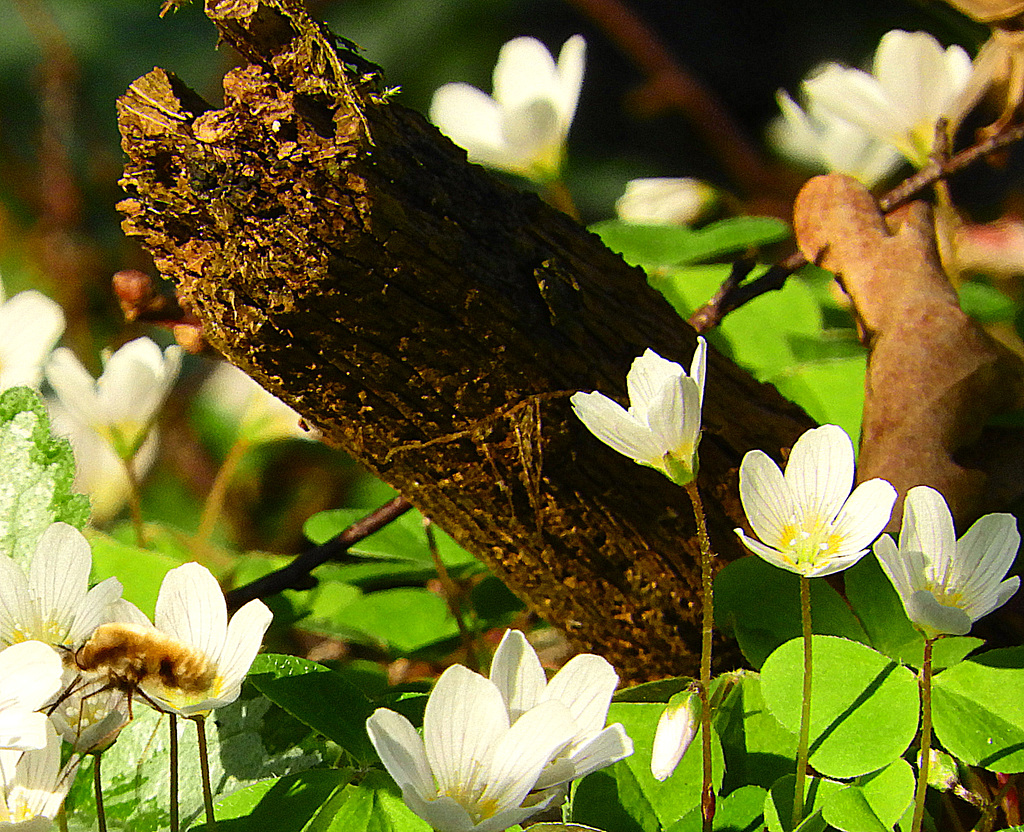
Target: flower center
810,542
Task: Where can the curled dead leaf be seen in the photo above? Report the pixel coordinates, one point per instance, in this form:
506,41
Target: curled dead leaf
935,377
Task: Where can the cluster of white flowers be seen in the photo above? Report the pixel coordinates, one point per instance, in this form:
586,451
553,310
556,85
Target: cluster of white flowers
55,629
497,750
861,123
809,520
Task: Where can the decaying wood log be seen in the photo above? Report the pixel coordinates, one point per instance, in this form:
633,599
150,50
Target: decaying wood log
433,322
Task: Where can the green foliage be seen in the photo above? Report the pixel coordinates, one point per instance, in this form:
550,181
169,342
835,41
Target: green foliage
674,245
38,469
740,609
249,741
976,710
301,688
864,706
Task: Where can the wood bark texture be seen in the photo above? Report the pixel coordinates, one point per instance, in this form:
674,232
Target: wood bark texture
433,322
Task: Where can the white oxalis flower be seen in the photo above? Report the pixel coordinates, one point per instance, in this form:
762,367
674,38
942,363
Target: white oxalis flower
947,584
473,769
661,429
122,403
99,471
807,520
30,675
192,613
30,324
818,139
665,201
33,785
523,128
913,83
52,603
584,685
259,414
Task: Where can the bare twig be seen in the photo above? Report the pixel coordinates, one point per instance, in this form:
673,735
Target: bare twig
734,293
296,575
670,86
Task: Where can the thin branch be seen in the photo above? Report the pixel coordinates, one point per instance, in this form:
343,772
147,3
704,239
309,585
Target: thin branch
733,293
296,575
670,86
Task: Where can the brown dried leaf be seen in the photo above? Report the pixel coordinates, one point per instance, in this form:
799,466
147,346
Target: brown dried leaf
934,376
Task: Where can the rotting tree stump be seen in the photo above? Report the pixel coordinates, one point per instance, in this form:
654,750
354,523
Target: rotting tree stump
433,322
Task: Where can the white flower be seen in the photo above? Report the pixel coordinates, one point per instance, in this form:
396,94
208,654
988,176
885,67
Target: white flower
190,610
30,674
947,584
33,786
522,129
99,472
122,403
90,713
472,769
665,201
808,520
661,429
818,139
913,83
53,602
676,729
584,685
30,324
260,415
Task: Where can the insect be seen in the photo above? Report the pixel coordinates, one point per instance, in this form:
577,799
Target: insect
130,656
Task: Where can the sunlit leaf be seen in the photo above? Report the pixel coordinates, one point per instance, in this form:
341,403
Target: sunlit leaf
864,706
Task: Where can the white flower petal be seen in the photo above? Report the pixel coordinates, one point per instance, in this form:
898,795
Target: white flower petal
606,747
928,527
30,325
401,750
585,685
534,739
766,496
985,553
22,730
773,556
190,607
517,673
244,637
820,471
471,119
30,673
865,514
525,71
927,612
59,573
464,720
610,423
18,614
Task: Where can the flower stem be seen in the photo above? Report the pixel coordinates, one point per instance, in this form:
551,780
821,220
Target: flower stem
134,500
925,681
204,768
97,782
173,774
218,491
805,708
707,803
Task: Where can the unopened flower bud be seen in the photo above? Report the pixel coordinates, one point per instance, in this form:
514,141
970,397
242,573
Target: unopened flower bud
676,730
